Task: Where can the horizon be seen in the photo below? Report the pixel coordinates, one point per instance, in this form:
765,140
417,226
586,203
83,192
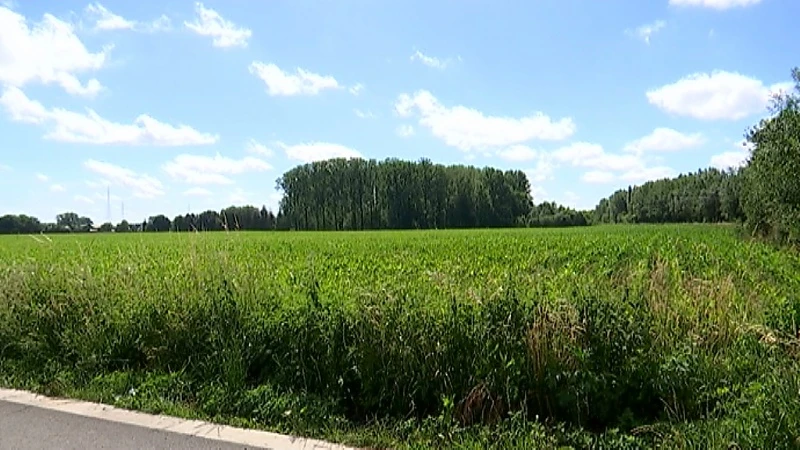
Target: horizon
189,106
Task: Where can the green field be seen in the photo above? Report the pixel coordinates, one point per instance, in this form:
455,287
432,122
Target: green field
625,336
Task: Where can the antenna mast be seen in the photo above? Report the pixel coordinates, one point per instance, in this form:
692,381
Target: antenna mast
108,203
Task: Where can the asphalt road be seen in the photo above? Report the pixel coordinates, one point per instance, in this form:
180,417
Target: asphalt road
29,427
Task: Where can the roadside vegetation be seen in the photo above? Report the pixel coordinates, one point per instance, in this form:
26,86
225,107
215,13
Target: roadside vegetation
610,336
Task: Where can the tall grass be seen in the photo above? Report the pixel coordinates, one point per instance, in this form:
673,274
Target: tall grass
629,336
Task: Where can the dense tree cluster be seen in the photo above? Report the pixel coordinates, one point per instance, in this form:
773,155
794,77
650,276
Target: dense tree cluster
764,194
770,185
358,194
550,214
708,195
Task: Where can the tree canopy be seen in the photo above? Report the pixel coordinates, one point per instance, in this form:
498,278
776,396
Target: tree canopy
358,194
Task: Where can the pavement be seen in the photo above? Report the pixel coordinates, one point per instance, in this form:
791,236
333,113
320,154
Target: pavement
30,421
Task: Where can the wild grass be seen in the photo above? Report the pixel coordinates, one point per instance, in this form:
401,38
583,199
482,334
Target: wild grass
608,337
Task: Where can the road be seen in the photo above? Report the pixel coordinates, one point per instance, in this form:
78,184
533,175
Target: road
28,421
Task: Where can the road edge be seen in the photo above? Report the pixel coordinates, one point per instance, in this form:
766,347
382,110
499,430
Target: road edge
189,427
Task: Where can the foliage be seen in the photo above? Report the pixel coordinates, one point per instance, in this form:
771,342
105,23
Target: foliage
609,336
708,195
772,190
358,194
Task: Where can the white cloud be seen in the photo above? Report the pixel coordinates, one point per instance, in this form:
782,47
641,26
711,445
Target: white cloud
5,168
280,83
404,130
644,32
197,192
363,114
105,20
57,188
240,197
200,169
47,52
734,159
318,151
665,140
257,148
42,177
598,177
163,23
571,200
83,199
539,193
518,153
644,174
356,89
224,32
715,4
90,128
469,129
543,171
584,154
719,95
431,61
141,185
606,165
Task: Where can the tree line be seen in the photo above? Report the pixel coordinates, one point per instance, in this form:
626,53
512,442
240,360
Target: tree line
360,194
235,218
708,195
763,194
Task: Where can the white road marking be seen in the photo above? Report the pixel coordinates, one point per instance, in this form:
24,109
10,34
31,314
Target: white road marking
198,428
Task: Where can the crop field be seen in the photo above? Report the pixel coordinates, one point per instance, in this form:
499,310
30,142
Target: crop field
607,336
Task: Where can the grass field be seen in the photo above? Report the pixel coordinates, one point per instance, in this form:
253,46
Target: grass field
613,336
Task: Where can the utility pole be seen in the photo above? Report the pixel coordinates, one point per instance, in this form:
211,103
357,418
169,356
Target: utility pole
108,203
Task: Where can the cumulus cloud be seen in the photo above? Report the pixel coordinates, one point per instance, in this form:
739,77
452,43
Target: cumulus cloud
46,52
431,61
105,20
665,140
607,167
715,4
356,89
733,159
224,33
90,128
363,114
257,148
303,82
141,185
518,153
469,129
318,151
719,95
200,169
598,177
404,130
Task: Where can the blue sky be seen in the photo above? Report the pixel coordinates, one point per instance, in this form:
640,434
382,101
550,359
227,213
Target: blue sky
179,106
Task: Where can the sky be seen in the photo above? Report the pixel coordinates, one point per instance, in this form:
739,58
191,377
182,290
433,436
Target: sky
177,106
